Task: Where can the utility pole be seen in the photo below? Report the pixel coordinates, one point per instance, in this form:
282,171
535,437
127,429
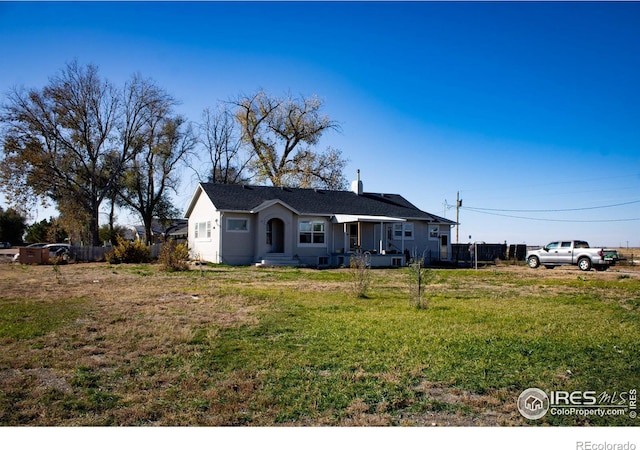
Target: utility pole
458,205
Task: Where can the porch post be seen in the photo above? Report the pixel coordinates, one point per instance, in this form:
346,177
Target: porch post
345,238
381,237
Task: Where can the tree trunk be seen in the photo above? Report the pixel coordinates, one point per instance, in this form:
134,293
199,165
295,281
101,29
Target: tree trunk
147,229
94,226
112,233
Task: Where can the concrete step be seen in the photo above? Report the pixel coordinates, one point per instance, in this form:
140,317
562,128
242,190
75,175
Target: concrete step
278,261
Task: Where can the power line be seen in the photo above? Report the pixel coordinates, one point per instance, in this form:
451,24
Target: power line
549,210
551,220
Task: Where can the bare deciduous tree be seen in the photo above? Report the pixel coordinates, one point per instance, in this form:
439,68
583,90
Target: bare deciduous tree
282,133
419,279
163,142
72,142
67,142
360,272
227,161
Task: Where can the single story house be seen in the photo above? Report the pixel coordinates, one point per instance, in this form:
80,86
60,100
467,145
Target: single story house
136,232
177,230
244,225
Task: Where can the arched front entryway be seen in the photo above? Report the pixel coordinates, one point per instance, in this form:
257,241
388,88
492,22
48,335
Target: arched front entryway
275,236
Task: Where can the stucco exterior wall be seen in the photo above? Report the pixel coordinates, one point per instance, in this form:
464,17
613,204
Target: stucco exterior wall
238,245
202,247
427,241
308,254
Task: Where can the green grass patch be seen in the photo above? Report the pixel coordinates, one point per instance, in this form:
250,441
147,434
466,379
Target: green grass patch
318,352
27,319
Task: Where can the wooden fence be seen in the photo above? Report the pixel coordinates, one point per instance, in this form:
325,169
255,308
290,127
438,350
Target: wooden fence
489,252
95,254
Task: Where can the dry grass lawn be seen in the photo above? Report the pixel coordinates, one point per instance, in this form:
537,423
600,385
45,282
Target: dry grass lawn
94,344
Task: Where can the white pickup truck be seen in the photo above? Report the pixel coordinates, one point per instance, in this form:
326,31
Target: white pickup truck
559,253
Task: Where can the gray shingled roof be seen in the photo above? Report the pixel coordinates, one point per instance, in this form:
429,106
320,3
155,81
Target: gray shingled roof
229,197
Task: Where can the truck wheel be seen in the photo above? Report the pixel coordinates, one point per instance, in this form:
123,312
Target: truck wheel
533,262
601,268
584,264
549,266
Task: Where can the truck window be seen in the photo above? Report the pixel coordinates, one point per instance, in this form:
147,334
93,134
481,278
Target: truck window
553,245
565,244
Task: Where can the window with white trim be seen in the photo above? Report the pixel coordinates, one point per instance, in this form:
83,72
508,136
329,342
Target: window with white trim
311,232
202,230
238,225
401,230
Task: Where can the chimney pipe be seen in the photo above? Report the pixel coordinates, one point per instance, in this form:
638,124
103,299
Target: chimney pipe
356,185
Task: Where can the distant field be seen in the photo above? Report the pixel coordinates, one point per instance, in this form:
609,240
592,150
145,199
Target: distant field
630,255
94,344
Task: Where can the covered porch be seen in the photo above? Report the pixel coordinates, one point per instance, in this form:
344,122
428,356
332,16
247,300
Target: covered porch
369,234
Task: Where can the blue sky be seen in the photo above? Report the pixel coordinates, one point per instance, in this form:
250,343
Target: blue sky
530,110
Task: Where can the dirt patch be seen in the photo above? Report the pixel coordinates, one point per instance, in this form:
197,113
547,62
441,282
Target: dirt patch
473,409
134,345
42,379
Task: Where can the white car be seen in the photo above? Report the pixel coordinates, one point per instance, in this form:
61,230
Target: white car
58,250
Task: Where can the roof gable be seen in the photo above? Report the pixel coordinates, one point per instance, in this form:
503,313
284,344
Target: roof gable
269,203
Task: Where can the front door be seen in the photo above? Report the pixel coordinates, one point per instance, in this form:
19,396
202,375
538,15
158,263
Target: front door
275,236
354,238
444,247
